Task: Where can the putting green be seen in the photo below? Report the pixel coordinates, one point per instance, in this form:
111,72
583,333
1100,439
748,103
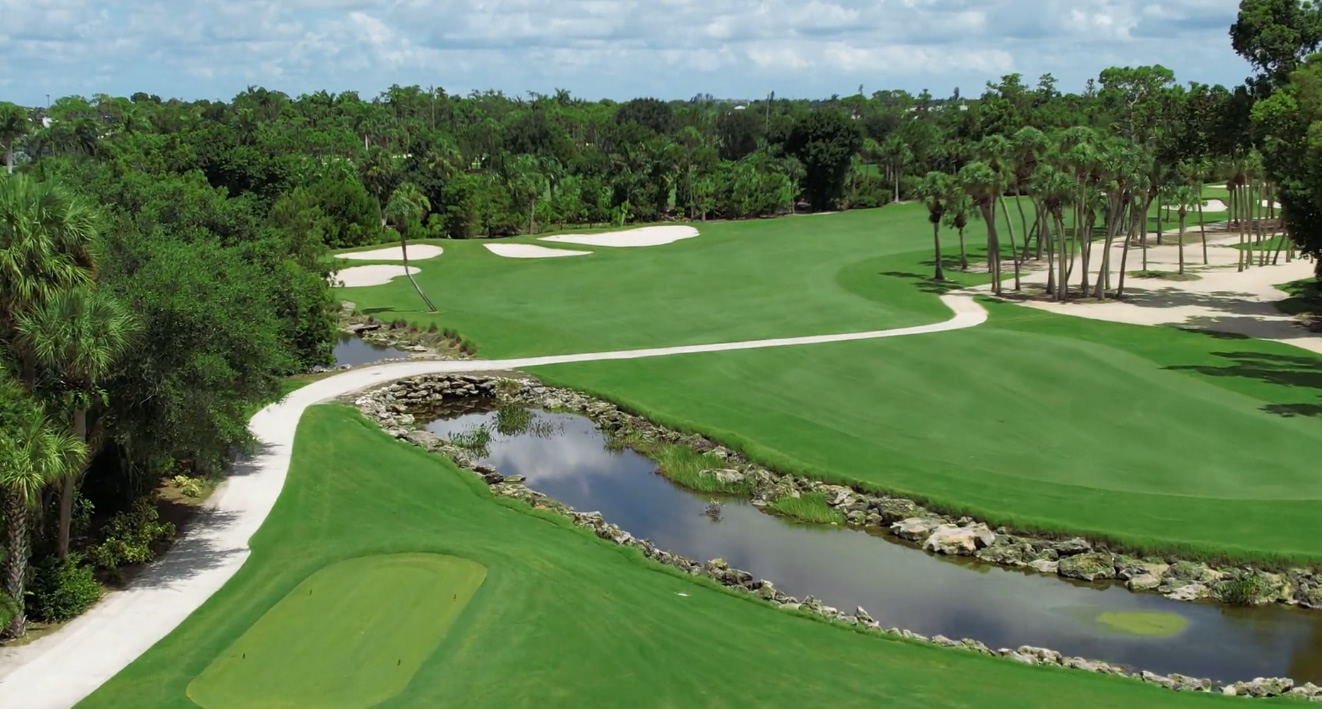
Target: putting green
351,635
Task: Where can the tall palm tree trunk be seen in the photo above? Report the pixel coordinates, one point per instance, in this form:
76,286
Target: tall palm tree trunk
1182,212
936,245
1063,282
963,253
16,514
1127,227
70,486
404,251
1202,226
1044,231
1014,250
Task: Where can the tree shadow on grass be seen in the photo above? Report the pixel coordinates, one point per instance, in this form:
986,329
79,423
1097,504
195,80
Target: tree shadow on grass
926,284
374,311
1289,371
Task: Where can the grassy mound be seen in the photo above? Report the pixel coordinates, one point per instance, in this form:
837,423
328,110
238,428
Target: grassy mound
370,623
563,619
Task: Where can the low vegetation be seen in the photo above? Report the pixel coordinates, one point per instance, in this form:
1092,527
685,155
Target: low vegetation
809,507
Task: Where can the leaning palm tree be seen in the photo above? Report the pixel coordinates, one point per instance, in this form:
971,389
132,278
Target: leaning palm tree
33,454
934,191
76,335
408,205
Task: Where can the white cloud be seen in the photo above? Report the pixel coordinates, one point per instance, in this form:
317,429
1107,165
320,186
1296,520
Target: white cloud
616,48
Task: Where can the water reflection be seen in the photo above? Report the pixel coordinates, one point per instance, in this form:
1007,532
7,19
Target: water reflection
352,350
898,585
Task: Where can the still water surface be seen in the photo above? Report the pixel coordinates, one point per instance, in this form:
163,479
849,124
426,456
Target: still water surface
353,351
566,458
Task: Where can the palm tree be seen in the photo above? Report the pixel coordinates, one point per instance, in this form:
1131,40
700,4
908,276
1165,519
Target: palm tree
76,335
33,454
14,124
934,191
897,154
957,218
1183,197
45,242
408,205
1054,189
982,184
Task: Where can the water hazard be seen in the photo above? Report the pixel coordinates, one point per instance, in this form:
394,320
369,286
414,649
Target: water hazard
352,350
565,457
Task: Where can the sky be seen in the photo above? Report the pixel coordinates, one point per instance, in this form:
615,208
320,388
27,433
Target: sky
618,49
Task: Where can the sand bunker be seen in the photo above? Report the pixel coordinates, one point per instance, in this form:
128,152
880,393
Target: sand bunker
360,276
531,251
420,252
1214,205
646,236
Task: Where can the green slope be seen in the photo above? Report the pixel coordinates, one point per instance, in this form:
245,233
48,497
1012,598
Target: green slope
562,618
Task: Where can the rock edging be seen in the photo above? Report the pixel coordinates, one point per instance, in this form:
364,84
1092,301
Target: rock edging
394,407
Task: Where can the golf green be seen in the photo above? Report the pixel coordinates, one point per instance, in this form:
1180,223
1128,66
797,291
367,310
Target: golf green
352,635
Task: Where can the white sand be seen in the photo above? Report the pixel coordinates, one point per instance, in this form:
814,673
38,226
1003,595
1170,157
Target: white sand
1222,300
60,669
420,252
646,236
360,276
1214,205
531,251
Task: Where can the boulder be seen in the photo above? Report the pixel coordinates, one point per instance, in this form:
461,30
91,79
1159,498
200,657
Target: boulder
895,509
1260,687
1045,566
915,528
1189,592
862,615
1092,566
724,477
1012,553
1070,547
959,541
836,495
1146,582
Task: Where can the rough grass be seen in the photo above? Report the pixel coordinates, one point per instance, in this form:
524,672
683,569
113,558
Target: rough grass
809,507
684,467
564,619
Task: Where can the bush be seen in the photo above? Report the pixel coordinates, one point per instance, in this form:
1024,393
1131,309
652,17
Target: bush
188,487
1247,590
7,609
809,507
61,590
870,191
130,536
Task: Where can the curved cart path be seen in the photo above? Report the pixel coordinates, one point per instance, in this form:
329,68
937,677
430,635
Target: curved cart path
58,671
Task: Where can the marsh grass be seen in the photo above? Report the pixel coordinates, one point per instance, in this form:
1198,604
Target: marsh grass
684,466
808,507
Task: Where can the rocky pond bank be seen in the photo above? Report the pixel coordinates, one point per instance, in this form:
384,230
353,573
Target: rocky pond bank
396,408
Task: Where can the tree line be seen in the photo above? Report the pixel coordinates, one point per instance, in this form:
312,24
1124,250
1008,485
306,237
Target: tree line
164,263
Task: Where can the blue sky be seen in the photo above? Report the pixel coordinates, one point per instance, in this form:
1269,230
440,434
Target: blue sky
596,48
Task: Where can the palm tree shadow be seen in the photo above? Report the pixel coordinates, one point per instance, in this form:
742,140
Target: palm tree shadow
1289,372
926,284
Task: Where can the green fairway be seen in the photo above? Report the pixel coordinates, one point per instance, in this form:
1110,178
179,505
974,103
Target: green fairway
737,281
1162,439
352,635
1159,438
562,619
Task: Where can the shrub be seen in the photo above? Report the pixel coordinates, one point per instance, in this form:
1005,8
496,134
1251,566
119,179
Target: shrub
188,487
130,536
432,329
61,590
7,609
809,507
467,347
1247,590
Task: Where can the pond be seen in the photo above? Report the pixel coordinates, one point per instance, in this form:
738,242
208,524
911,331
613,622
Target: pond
353,350
567,458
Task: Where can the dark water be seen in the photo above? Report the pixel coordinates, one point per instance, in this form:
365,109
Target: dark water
898,585
353,350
